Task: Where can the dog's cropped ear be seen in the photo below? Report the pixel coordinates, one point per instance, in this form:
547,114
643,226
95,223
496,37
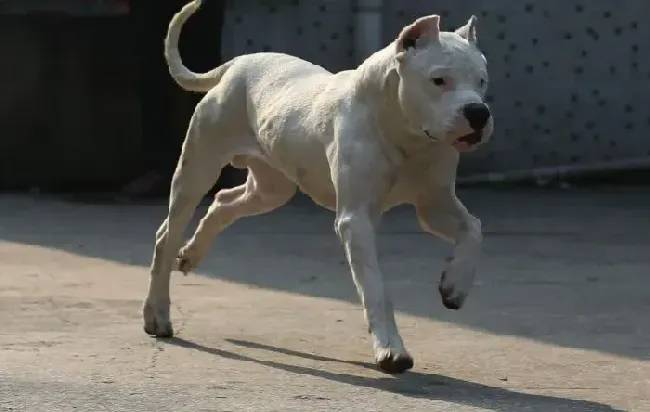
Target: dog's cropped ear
468,31
423,29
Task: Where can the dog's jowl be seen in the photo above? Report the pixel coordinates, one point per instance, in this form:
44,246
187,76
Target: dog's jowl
358,142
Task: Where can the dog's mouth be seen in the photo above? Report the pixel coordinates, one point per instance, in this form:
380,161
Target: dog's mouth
472,138
462,144
467,142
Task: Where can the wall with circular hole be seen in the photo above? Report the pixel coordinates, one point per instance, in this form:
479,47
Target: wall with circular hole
569,80
319,31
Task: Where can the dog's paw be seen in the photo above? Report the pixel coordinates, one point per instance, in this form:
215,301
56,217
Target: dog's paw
188,259
393,362
456,282
156,320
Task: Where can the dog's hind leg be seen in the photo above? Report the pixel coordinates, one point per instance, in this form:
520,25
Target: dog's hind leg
197,170
265,189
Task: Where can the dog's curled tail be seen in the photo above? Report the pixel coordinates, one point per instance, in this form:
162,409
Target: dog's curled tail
187,79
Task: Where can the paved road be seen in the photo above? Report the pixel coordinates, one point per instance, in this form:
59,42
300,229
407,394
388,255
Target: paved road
558,320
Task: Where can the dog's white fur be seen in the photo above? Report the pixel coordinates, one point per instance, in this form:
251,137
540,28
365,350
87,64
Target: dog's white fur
358,142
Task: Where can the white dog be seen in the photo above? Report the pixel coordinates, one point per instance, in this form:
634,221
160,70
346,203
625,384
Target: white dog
358,142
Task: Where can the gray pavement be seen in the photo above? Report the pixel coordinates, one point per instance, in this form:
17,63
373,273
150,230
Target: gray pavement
270,321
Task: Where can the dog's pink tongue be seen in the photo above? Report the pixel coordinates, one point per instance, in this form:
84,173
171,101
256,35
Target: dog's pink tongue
461,146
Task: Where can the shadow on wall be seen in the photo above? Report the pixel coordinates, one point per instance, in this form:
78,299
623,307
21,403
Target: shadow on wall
558,268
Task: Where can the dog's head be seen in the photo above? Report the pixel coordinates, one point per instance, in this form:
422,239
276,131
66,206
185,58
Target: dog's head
443,81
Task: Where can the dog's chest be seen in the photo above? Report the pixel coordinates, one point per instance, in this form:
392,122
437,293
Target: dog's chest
408,180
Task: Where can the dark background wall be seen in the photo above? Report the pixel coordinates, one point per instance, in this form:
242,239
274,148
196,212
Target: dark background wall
69,110
87,102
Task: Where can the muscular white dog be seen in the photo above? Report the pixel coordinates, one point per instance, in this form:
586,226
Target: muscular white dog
358,142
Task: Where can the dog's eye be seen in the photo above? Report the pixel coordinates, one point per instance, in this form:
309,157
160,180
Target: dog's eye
438,81
482,82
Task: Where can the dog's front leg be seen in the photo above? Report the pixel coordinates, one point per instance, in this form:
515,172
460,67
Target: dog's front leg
441,213
359,190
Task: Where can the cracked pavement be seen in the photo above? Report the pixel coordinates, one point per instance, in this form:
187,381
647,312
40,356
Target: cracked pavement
270,320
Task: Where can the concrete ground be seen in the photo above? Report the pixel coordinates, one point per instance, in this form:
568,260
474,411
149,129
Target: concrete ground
558,320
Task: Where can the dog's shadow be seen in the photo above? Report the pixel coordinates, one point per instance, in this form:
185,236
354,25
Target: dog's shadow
411,384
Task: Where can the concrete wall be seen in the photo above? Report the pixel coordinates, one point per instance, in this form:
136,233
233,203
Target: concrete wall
570,80
320,31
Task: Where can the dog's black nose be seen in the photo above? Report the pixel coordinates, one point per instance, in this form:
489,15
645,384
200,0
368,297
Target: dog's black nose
477,114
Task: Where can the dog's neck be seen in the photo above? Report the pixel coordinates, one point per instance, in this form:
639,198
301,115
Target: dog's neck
379,88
